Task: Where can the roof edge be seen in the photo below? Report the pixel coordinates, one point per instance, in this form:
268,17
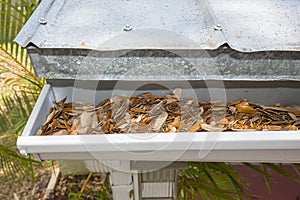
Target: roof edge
24,37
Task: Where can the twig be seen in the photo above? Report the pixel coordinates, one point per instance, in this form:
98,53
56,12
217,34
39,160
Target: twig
52,183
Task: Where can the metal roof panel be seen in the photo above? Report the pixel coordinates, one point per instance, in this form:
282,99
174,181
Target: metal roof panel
259,25
247,25
100,25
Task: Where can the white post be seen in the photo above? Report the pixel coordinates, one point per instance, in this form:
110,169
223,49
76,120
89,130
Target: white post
122,185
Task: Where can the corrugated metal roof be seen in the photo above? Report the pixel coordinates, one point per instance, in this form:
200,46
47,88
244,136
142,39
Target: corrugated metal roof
247,25
259,25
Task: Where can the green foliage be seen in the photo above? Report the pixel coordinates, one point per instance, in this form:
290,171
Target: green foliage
264,169
19,86
221,181
101,191
210,181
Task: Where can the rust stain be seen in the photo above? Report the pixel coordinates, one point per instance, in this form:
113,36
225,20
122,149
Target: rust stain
211,43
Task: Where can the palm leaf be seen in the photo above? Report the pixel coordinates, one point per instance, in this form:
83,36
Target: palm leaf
14,118
296,168
258,169
16,112
279,168
17,76
14,164
19,85
210,181
13,59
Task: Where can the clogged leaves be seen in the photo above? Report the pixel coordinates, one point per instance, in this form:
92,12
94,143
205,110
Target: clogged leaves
148,113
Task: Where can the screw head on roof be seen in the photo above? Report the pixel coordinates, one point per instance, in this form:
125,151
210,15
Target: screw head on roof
127,27
42,21
218,27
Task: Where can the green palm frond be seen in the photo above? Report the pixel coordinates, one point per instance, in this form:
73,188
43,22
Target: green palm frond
264,169
19,86
279,168
210,181
12,17
16,111
15,67
13,119
16,76
14,164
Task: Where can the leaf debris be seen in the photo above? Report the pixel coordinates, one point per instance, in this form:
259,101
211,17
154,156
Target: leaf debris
148,113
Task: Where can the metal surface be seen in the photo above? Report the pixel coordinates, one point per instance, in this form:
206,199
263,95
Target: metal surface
248,25
99,25
220,64
202,40
259,25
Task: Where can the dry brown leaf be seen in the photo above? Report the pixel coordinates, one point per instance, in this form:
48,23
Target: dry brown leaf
243,106
195,127
60,132
210,128
273,128
147,112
